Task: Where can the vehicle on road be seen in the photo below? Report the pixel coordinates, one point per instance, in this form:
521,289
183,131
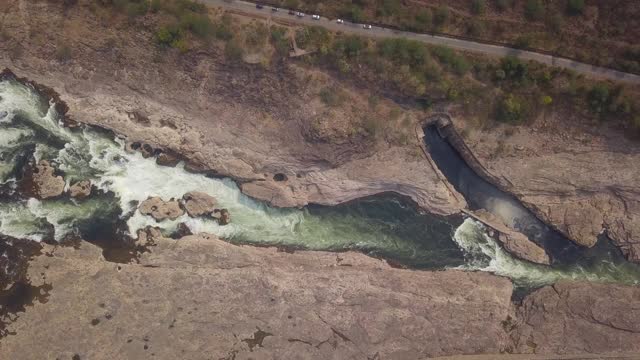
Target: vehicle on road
316,17
259,6
340,21
300,14
274,9
366,26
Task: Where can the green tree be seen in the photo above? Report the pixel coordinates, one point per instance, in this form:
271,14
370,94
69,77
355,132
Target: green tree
533,10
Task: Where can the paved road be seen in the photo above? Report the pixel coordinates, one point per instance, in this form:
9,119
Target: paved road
459,44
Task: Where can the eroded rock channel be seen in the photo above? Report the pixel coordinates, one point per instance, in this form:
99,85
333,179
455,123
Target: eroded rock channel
106,185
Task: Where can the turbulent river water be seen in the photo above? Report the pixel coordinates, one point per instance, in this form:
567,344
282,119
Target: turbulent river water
383,226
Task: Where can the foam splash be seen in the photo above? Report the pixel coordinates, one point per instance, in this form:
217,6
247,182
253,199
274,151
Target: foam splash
483,253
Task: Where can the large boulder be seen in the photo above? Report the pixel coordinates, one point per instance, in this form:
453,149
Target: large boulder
81,189
222,216
40,181
198,203
160,209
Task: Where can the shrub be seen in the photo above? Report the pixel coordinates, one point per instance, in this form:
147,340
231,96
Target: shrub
331,96
598,98
442,16
533,10
510,110
390,7
476,28
291,4
233,51
403,51
199,25
425,18
348,47
478,7
514,69
546,100
168,35
575,7
502,5
280,40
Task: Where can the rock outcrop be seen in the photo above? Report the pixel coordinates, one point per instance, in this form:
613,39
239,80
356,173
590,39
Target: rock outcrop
197,203
80,189
222,216
40,181
167,159
572,178
205,296
516,243
160,209
576,318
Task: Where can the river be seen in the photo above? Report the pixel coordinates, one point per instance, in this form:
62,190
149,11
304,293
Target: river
387,226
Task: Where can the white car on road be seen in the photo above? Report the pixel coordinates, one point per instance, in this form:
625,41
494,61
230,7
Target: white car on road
365,26
316,17
340,21
299,14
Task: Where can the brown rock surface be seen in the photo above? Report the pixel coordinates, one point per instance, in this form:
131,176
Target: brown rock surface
160,209
197,203
516,243
41,182
203,298
576,179
569,318
167,159
192,105
81,189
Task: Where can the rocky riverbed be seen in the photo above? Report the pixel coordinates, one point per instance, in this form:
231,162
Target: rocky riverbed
258,302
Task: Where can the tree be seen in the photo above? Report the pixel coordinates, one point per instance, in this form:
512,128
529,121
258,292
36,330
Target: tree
533,10
575,7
